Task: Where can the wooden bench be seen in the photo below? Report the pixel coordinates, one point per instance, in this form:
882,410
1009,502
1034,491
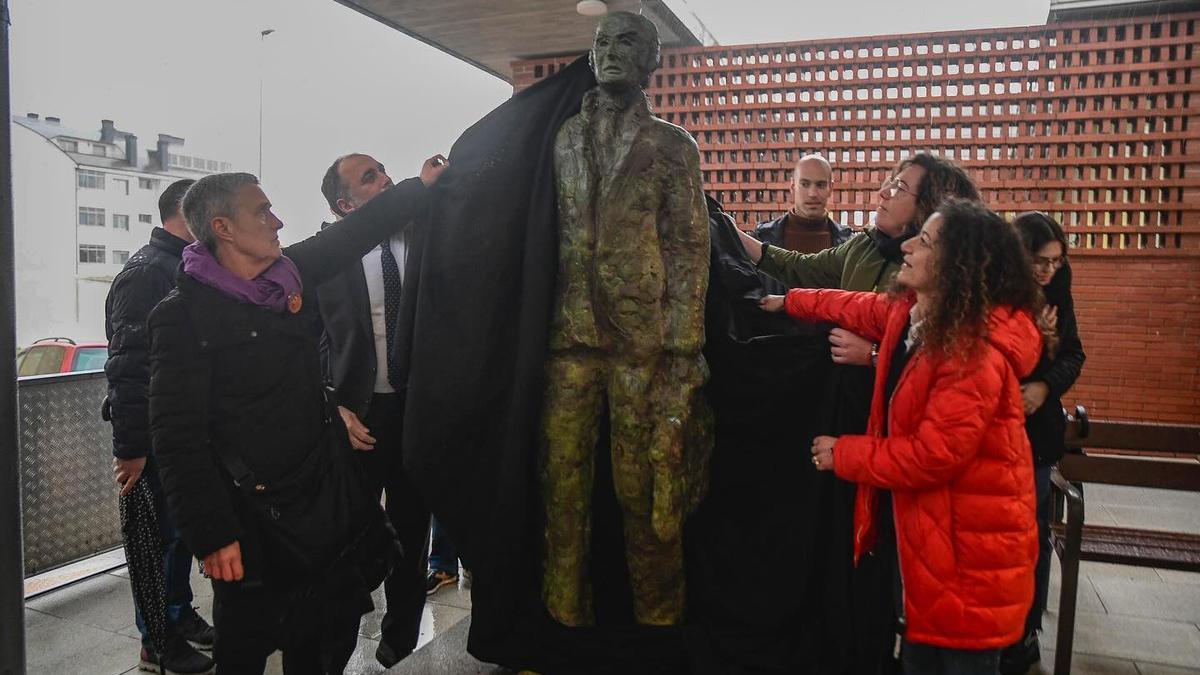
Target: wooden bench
1166,460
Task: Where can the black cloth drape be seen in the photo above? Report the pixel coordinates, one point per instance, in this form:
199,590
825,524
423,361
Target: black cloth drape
476,313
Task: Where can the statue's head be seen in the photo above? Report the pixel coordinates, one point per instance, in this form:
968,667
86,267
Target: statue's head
625,51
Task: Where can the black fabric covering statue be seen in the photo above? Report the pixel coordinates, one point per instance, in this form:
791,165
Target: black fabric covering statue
479,303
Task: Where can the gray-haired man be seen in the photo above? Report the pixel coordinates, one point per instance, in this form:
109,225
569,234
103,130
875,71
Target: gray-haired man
254,463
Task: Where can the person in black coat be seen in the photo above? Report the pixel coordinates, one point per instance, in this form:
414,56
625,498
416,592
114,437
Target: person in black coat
238,408
359,311
1042,391
160,564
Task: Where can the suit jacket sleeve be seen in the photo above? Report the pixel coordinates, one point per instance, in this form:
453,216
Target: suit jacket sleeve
864,313
134,293
686,255
180,383
333,249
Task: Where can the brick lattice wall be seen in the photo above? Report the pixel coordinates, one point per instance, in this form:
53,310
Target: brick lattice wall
1096,123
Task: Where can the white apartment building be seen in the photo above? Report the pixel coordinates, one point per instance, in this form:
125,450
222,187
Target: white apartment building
83,202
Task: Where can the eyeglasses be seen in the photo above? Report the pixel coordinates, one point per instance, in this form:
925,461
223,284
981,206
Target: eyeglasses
1042,263
892,186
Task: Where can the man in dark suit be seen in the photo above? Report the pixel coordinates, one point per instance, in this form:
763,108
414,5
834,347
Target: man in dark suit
359,309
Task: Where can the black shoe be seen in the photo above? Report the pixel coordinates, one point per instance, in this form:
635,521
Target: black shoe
386,656
437,579
1018,658
178,658
196,630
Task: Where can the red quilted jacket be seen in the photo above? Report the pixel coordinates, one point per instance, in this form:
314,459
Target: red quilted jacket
957,461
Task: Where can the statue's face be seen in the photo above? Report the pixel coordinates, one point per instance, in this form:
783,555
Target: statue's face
621,55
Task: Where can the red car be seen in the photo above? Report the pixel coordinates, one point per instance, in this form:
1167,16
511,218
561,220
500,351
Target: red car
61,355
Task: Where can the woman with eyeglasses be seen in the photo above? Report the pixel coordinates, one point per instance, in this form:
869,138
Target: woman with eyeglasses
859,618
1042,392
946,434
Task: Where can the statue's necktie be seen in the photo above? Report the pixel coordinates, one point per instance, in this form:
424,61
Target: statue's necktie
391,308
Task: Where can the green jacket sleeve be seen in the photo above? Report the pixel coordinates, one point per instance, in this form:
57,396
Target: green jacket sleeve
805,270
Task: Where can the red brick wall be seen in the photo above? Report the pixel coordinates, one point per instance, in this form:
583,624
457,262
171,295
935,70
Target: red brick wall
1139,319
1095,122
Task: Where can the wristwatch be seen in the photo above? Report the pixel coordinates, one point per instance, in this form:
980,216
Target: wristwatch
874,354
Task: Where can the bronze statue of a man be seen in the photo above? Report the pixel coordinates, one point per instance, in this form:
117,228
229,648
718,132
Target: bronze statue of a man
627,332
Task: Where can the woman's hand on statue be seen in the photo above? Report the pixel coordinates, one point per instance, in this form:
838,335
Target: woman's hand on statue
822,452
772,303
753,247
848,348
432,169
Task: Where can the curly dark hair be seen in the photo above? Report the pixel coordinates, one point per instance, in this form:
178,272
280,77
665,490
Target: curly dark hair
943,180
981,264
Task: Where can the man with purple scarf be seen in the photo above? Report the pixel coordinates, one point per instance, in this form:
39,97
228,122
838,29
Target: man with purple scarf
242,426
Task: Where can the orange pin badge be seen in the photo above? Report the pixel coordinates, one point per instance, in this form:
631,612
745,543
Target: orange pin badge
294,302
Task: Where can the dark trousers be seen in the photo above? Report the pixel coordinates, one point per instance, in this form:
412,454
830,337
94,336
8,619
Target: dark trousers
176,558
443,557
404,590
249,629
1041,580
921,659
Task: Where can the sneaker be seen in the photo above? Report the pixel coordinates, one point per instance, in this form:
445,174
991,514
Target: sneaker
437,579
1018,658
196,630
178,658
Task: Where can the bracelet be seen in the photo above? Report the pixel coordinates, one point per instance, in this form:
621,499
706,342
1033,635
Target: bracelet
874,354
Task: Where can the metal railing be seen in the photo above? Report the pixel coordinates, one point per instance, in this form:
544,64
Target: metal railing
69,499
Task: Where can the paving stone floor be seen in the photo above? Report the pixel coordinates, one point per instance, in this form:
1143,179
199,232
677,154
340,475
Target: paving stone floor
1130,621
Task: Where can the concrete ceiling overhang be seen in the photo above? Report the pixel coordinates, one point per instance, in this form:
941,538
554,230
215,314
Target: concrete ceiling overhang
491,34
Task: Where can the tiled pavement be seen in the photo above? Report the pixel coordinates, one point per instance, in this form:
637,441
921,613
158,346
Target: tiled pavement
1130,621
87,628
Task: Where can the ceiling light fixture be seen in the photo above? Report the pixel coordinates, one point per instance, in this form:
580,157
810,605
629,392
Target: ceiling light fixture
591,7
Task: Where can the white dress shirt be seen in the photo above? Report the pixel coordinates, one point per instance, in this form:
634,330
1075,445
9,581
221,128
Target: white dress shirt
373,270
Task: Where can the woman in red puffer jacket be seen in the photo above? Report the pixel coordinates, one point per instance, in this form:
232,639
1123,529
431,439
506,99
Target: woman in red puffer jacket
947,433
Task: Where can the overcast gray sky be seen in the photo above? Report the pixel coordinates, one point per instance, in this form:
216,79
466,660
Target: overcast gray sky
336,81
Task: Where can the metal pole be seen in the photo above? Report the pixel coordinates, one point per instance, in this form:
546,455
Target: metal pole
12,565
262,38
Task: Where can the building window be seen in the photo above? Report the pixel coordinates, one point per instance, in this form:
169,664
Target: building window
122,185
148,183
69,146
120,257
99,150
91,216
120,222
91,253
145,218
90,179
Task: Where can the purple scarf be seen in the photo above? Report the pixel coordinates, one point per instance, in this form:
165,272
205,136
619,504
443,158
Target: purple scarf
272,289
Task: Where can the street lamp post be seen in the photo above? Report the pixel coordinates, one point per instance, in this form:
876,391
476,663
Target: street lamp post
262,36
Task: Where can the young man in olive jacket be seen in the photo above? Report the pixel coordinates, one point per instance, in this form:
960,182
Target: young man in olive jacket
160,563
